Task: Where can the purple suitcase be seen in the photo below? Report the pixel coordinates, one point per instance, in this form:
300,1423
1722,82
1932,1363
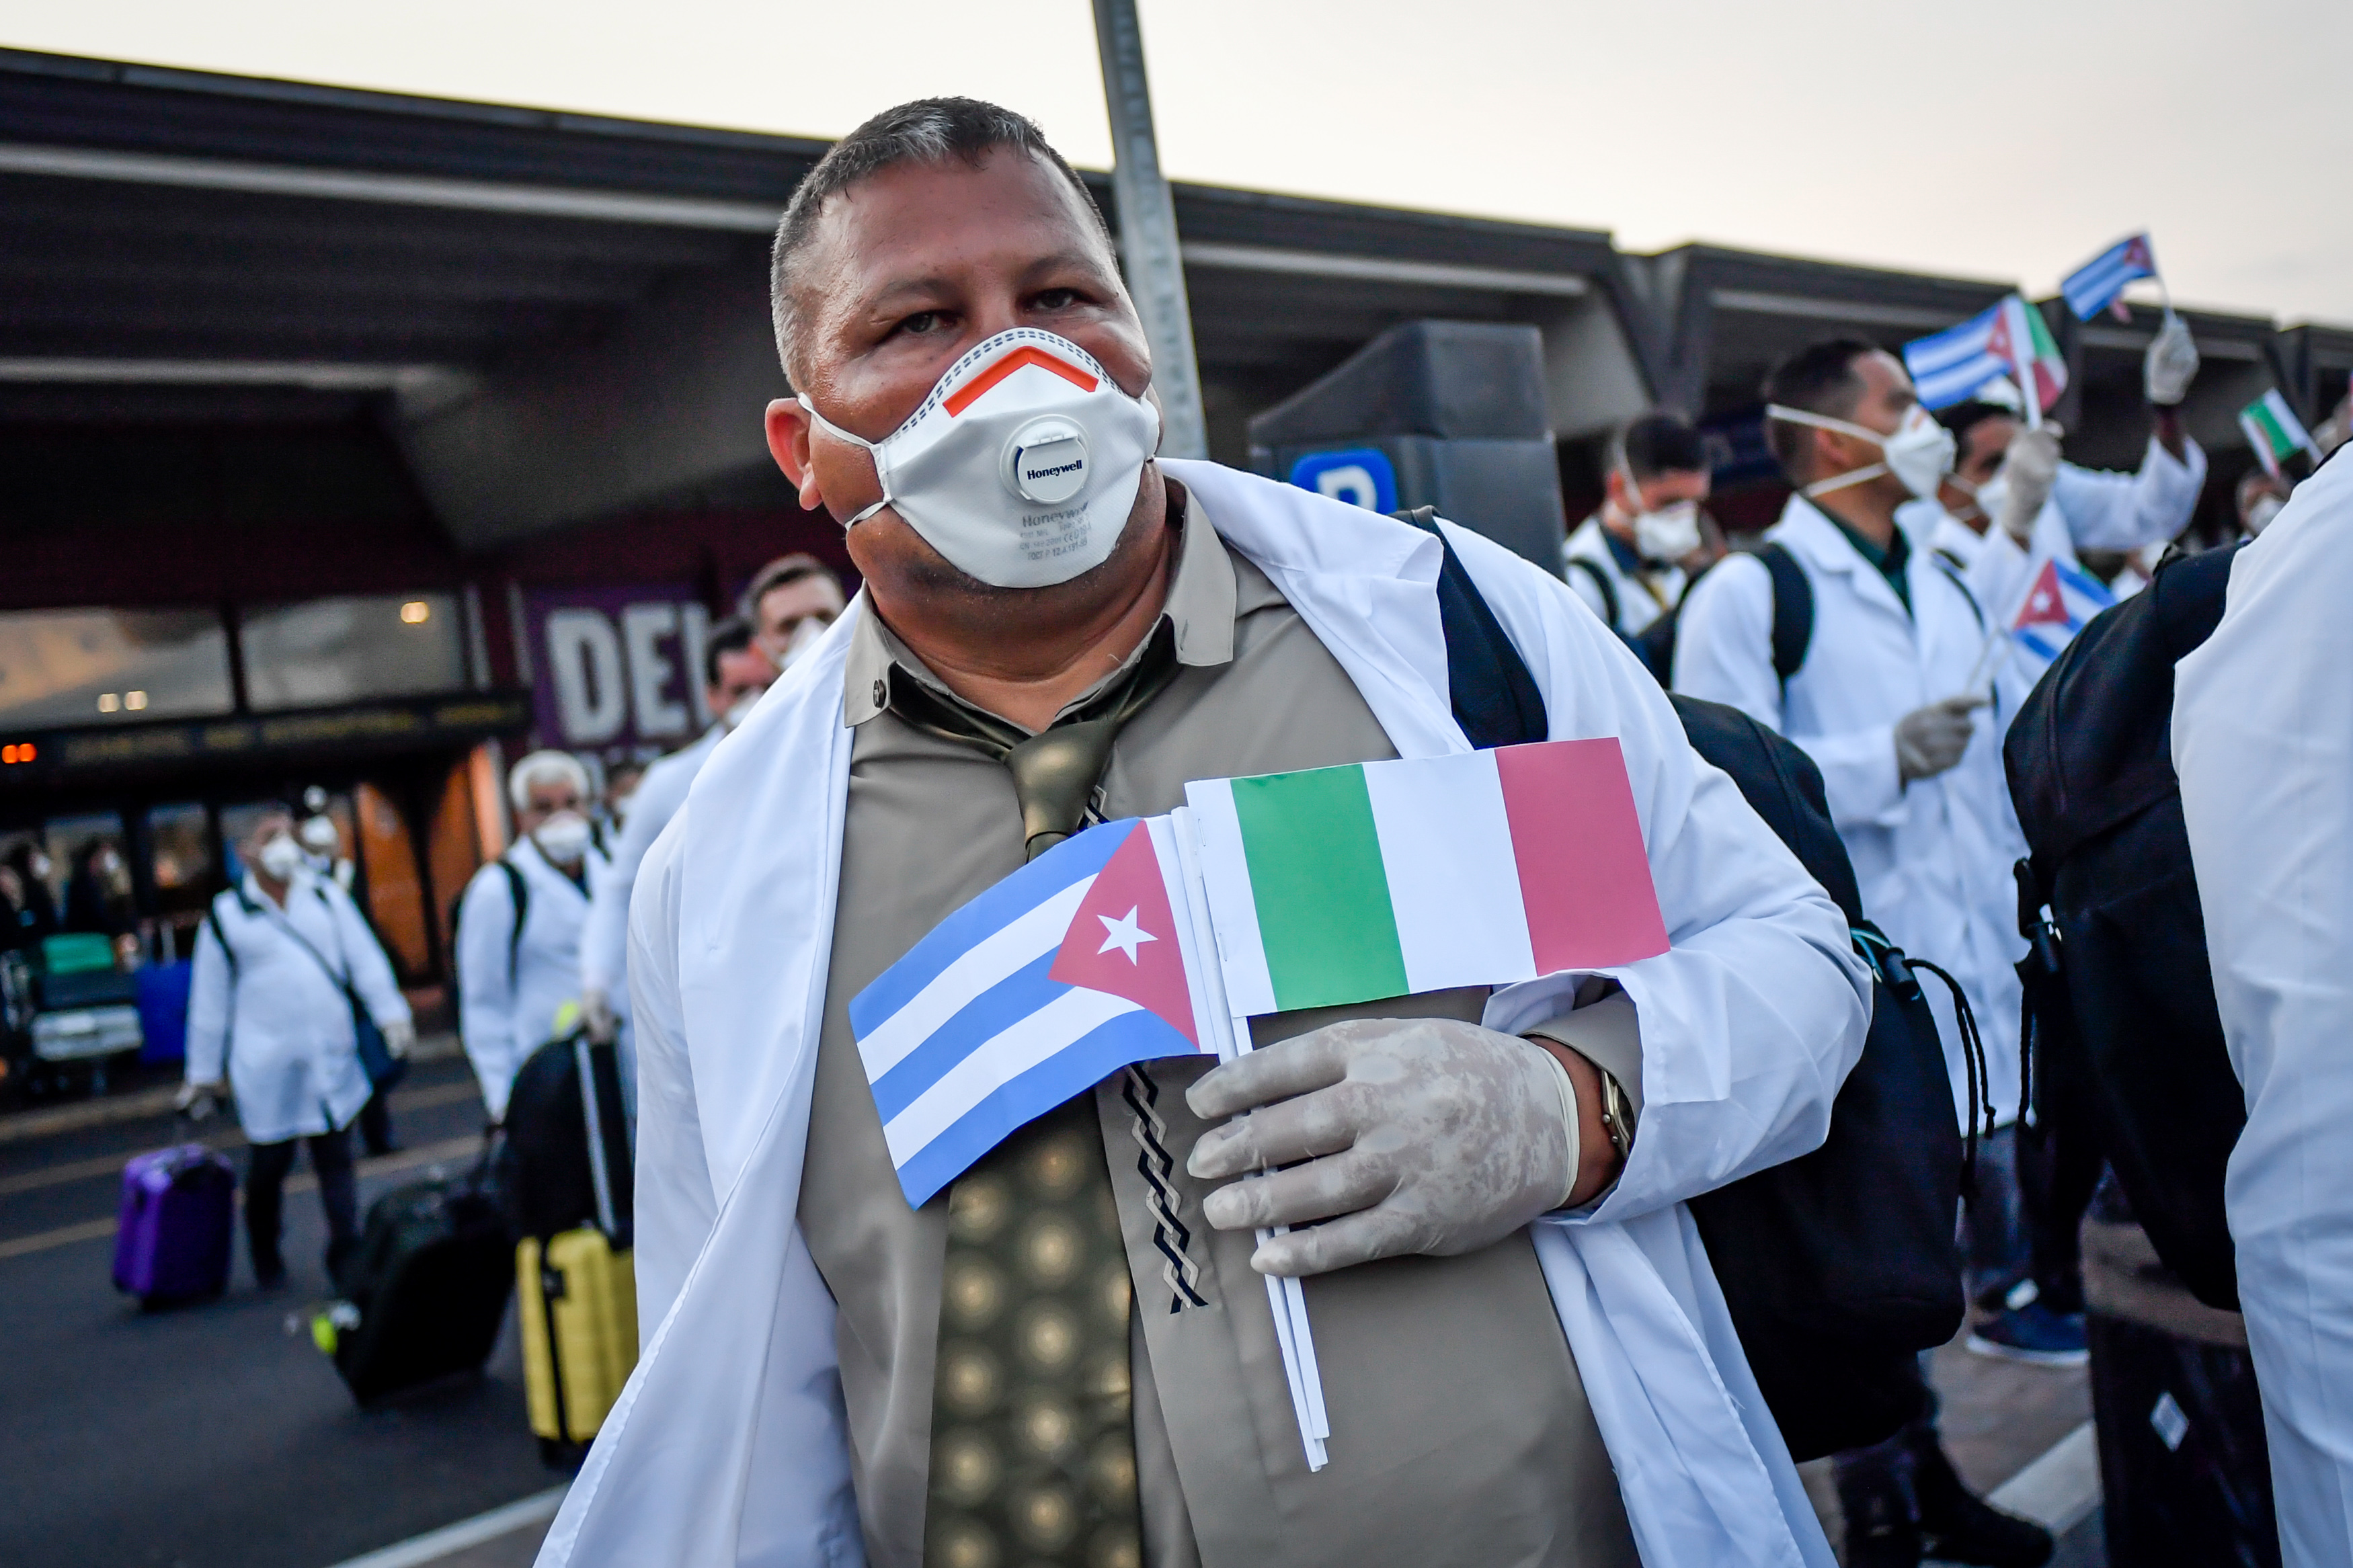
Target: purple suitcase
178,1206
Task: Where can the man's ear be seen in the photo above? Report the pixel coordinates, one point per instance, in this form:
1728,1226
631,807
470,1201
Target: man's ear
788,443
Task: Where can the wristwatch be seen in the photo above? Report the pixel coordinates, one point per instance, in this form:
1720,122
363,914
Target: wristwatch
1617,1116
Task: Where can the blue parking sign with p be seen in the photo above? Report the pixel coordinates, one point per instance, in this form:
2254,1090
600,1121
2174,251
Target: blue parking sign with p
1358,474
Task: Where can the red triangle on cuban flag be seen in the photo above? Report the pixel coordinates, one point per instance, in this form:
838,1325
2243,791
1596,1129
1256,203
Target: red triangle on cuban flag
2045,606
1124,939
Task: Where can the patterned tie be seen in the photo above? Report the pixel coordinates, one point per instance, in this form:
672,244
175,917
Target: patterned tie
1033,1439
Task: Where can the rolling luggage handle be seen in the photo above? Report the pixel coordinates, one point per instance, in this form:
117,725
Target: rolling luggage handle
584,1060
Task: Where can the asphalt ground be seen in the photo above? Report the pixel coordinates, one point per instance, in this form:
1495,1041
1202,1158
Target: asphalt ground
216,1436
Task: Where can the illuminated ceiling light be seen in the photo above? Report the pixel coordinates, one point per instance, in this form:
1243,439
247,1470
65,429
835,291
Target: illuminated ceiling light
134,701
416,612
110,702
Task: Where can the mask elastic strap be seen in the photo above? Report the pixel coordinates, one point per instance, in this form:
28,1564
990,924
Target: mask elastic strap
874,449
1841,481
1824,422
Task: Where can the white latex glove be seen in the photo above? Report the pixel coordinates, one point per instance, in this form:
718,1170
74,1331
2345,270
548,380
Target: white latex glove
197,1101
398,1037
596,1015
2172,362
1428,1135
1930,740
2029,467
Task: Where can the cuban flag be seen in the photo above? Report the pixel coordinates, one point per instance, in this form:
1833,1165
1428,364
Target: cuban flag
2099,284
2059,604
2006,338
1057,977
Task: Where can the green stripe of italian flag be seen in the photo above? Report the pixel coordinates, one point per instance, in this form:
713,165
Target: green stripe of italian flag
1350,884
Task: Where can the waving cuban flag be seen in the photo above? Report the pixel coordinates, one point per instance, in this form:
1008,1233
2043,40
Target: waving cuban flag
1054,979
2061,600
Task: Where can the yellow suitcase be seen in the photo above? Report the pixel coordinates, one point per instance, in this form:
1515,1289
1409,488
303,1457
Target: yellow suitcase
579,1303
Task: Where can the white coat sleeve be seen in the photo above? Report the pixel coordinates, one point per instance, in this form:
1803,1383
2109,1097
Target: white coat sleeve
211,995
1752,1019
371,970
2263,737
486,993
1723,653
675,1204
2123,511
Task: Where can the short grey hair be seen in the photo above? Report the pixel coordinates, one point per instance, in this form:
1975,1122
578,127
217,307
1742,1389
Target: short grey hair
933,130
544,764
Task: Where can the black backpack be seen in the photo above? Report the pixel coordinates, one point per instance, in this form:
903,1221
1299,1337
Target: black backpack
1839,1266
2121,1029
1654,644
567,1092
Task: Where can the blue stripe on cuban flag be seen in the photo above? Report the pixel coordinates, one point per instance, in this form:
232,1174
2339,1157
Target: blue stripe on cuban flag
1947,366
966,1038
2061,601
2093,287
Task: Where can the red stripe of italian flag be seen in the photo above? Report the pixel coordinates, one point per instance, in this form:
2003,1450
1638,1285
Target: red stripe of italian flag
1385,878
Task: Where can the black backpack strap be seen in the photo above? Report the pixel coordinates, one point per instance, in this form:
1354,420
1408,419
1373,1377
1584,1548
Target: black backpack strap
221,935
1599,579
1494,698
1793,609
520,890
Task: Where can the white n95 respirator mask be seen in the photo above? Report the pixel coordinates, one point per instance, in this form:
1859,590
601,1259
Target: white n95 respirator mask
1021,466
1919,454
1666,533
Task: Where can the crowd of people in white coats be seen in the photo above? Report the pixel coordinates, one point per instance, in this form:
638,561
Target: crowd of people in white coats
831,1375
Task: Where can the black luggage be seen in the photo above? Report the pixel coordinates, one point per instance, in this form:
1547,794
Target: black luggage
546,1179
2184,1467
424,1291
1839,1266
2121,1029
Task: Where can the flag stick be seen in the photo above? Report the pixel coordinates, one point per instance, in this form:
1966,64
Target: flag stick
2021,364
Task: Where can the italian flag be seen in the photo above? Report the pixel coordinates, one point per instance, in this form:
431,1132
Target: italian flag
2273,429
2021,340
1351,884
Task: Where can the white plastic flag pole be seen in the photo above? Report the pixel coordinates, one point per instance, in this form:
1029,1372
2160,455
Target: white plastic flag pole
1231,1035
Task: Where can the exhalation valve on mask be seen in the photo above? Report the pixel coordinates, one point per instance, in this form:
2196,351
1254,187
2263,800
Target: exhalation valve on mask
1021,466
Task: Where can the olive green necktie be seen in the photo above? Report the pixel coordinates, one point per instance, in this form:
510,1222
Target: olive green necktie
1033,1439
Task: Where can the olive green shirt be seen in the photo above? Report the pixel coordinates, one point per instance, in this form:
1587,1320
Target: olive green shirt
1460,1433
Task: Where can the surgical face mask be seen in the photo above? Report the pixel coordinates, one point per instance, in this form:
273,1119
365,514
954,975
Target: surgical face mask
1990,497
2260,512
1919,454
319,835
562,837
734,717
280,858
1667,533
1021,466
804,636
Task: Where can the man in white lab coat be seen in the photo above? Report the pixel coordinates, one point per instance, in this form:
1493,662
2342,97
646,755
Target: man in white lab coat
1504,1387
1625,561
2262,738
519,924
279,960
734,672
1890,701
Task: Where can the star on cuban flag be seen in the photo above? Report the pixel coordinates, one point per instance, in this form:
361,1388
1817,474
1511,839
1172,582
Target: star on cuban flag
1042,986
2059,602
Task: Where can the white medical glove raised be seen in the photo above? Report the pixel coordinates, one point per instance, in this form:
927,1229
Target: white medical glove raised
399,1037
2028,469
197,1101
2172,362
596,1015
1930,740
1420,1135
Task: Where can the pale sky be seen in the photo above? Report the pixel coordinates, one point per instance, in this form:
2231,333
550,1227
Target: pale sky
2000,139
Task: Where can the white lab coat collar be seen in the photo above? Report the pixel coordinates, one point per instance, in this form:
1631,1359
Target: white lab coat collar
1808,530
738,1454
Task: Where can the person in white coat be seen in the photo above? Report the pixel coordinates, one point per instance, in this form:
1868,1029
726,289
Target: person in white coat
734,672
2010,503
1625,561
2262,738
1889,702
1529,1358
280,960
520,921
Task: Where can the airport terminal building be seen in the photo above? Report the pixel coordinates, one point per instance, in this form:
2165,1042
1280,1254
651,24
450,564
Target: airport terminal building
359,441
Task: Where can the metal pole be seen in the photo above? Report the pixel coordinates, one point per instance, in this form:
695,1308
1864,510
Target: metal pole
1147,231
